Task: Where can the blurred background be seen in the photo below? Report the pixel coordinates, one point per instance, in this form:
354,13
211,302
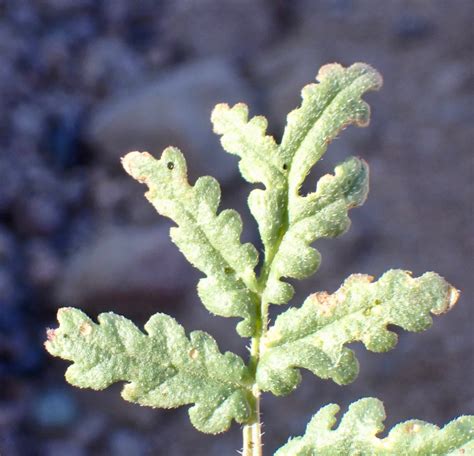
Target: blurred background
84,81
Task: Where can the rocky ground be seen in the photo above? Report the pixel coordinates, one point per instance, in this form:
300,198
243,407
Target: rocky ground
84,81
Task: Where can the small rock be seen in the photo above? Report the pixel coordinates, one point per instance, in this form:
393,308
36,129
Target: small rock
453,77
21,354
228,27
54,409
43,264
115,13
125,442
9,442
127,269
175,110
60,447
90,428
13,44
54,8
410,27
11,184
109,64
74,188
107,191
23,14
7,288
118,13
53,62
115,197
81,29
38,215
13,86
62,140
340,8
28,120
283,71
8,247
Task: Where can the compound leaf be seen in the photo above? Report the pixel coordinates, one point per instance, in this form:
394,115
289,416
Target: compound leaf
210,241
260,162
162,368
357,435
314,336
323,213
327,108
259,155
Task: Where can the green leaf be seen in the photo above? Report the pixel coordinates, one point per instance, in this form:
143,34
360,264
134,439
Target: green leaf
314,336
210,241
260,157
162,368
357,435
260,163
286,219
323,213
327,108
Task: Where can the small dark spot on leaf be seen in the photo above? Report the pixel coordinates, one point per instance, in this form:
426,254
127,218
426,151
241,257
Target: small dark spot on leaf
170,165
228,270
285,166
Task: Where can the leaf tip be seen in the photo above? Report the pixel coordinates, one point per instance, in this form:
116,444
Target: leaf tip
218,108
50,338
133,163
50,334
374,78
453,296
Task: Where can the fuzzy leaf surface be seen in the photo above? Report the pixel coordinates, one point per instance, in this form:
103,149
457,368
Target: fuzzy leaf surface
162,367
314,336
321,214
357,435
210,241
284,217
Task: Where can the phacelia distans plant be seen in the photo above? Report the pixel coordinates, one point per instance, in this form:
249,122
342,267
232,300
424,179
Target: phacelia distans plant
163,367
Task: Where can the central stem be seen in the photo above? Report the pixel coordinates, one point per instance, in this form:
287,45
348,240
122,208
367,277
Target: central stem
252,432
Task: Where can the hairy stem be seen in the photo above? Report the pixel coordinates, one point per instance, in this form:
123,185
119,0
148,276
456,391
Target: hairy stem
252,441
252,432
